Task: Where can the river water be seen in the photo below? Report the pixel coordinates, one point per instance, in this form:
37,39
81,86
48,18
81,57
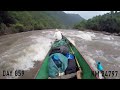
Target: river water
27,50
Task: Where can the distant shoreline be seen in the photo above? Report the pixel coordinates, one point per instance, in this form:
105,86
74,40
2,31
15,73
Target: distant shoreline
87,30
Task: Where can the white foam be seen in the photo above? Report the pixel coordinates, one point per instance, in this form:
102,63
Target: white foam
81,34
91,34
25,57
85,35
99,52
118,58
107,37
116,43
93,64
72,41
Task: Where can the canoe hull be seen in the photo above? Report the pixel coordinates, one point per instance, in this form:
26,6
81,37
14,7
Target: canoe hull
87,71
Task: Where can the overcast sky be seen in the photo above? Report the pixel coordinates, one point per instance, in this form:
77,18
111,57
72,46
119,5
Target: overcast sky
87,14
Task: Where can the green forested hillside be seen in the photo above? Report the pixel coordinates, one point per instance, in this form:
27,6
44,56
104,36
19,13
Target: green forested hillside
19,21
109,22
67,19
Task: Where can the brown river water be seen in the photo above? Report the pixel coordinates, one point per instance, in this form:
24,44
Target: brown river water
27,50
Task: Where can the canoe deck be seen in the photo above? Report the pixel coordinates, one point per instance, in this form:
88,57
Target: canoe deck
87,72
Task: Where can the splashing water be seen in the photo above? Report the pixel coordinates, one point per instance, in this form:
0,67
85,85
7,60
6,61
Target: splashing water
22,58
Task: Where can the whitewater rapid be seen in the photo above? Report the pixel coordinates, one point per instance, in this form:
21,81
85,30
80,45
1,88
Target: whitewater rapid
22,50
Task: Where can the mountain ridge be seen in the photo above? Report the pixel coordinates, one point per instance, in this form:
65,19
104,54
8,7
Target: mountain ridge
20,21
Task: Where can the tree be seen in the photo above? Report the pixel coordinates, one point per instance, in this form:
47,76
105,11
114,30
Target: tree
6,18
109,22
